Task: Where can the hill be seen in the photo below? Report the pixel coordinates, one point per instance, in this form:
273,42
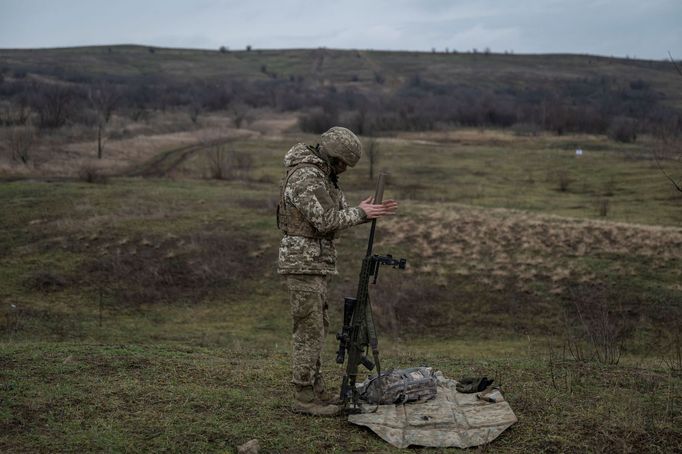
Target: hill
358,67
369,90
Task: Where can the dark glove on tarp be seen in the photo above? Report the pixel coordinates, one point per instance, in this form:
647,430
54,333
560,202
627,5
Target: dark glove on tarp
473,384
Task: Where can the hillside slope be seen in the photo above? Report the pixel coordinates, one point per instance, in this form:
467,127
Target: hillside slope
337,66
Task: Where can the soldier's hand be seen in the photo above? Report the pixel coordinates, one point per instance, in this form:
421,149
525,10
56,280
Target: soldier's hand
373,211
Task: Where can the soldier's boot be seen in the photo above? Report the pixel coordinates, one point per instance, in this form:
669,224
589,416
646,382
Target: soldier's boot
306,402
323,395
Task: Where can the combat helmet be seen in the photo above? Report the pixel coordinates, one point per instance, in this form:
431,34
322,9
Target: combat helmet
339,142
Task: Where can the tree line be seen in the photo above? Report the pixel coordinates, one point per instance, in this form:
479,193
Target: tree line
601,104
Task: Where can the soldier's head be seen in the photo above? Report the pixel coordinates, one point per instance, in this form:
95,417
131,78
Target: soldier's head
342,146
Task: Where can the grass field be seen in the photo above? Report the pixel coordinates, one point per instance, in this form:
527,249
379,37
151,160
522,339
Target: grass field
145,314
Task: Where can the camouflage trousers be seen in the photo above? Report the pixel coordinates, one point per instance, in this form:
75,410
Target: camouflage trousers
308,299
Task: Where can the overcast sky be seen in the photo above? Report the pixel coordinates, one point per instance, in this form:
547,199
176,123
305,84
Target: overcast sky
639,28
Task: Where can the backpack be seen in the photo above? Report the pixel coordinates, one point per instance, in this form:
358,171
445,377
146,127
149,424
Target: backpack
400,386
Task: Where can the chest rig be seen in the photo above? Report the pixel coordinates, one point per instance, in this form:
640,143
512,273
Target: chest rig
290,220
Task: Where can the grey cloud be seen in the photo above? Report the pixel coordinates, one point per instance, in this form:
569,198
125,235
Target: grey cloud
586,26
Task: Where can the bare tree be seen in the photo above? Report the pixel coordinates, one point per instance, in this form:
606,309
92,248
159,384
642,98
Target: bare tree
677,68
241,114
226,163
20,141
670,149
52,103
16,113
195,110
103,98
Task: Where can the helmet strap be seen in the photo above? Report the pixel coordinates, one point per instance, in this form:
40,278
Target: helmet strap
321,154
334,178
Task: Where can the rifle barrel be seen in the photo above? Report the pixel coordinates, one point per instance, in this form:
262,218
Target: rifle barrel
378,198
379,194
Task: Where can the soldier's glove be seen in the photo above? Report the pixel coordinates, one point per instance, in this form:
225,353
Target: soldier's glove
473,384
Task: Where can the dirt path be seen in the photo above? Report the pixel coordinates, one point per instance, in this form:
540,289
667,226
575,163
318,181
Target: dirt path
164,163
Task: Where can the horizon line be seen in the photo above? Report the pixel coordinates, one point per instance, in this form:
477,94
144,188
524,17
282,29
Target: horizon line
473,51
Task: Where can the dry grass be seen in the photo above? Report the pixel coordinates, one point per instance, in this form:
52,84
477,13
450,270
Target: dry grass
523,246
131,143
481,136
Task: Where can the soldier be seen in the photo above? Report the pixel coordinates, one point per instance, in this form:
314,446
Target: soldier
311,210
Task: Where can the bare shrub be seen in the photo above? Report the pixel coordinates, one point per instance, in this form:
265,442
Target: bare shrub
359,121
15,113
668,155
603,206
672,356
574,341
596,326
225,163
12,319
525,129
240,114
560,374
20,139
194,111
317,121
217,163
45,281
91,174
563,179
610,187
139,113
623,129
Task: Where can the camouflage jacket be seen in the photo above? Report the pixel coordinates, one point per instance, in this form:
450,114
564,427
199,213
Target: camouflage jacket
310,190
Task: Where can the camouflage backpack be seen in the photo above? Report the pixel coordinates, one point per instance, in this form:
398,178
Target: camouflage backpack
400,386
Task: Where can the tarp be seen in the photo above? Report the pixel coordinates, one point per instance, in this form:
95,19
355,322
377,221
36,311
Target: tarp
451,419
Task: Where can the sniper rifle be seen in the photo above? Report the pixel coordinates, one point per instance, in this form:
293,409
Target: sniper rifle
358,333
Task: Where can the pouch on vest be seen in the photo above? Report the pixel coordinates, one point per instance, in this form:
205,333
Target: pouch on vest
400,386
